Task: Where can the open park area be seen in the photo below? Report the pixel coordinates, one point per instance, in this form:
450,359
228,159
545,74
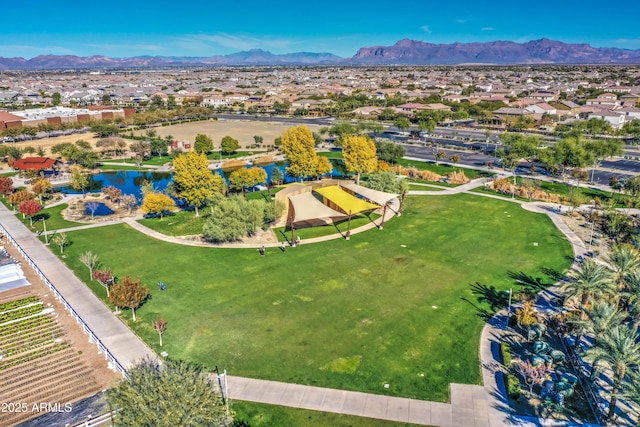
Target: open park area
397,311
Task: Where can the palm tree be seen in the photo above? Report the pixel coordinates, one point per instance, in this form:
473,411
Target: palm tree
592,281
631,391
601,317
624,259
618,348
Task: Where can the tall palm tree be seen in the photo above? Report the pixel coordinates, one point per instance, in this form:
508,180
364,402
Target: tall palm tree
624,259
632,297
592,281
600,317
618,348
631,392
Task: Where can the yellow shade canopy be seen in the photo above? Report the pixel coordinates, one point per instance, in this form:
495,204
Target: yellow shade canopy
344,201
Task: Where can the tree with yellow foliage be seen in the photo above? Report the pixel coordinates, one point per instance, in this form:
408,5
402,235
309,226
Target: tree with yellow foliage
359,153
298,145
157,203
323,165
245,178
194,181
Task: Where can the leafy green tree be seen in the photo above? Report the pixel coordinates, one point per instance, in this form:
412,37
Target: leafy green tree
233,218
193,180
171,394
277,177
56,99
601,150
567,153
359,154
387,182
104,129
229,145
159,146
617,348
402,123
389,152
203,144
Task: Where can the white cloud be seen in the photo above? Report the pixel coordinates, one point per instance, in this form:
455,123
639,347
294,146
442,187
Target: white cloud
461,21
487,29
426,29
33,50
120,47
236,42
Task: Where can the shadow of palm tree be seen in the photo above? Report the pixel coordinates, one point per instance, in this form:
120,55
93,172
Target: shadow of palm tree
483,313
528,282
552,274
490,295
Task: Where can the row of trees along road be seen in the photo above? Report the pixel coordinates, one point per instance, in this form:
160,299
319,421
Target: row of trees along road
570,153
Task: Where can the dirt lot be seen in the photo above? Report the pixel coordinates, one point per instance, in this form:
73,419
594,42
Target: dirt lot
242,130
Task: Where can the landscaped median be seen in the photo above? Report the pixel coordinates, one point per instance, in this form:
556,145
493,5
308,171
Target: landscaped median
390,311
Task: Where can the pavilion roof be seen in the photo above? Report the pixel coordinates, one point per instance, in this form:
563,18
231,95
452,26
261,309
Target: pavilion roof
306,207
344,201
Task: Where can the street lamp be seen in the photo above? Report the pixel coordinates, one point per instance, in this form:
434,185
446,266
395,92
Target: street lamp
44,223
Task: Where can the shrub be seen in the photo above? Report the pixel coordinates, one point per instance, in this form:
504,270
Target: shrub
513,386
505,354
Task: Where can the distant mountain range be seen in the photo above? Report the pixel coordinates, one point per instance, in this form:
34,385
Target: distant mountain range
404,52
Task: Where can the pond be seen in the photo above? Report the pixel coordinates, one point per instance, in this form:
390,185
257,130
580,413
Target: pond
98,208
130,182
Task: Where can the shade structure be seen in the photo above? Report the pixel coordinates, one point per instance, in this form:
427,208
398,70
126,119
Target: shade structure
380,198
11,274
306,207
344,201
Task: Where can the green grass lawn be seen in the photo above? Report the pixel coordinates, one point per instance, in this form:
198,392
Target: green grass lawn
182,223
393,306
260,415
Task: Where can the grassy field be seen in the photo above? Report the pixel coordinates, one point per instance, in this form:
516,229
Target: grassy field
182,223
259,415
394,306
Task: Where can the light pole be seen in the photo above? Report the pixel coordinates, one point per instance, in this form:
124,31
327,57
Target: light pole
506,323
46,238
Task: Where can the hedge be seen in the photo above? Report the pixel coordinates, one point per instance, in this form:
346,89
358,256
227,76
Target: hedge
505,353
513,386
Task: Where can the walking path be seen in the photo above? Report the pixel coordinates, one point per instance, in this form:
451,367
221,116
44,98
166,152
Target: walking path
471,405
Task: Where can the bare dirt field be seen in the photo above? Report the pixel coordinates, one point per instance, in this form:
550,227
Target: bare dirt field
242,130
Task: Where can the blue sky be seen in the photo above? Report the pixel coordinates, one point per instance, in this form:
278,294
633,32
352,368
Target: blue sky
118,28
